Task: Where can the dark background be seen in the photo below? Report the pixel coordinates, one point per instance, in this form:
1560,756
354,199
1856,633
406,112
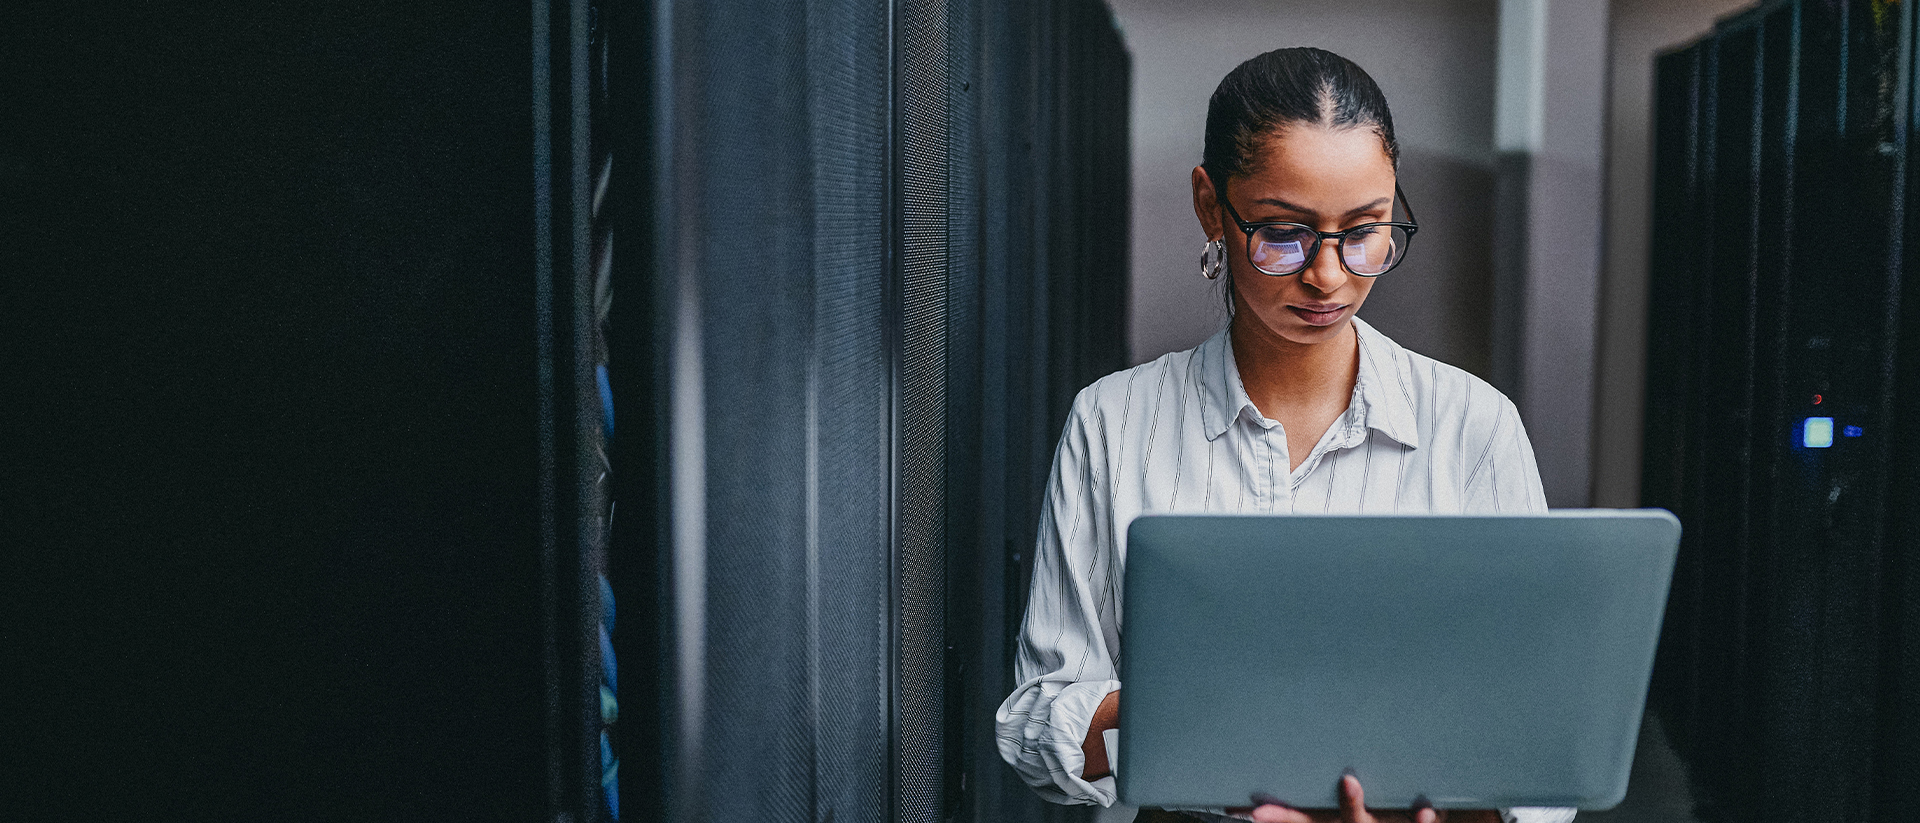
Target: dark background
270,493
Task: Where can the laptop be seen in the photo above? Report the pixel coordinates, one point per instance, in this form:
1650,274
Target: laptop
1475,661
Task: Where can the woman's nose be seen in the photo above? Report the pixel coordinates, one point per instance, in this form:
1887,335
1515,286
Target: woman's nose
1324,273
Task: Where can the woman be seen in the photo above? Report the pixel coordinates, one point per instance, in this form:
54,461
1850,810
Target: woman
1296,194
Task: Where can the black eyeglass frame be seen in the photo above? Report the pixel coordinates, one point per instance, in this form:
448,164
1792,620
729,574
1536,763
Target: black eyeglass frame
1248,229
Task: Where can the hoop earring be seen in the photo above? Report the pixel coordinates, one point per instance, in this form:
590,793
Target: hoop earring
1213,259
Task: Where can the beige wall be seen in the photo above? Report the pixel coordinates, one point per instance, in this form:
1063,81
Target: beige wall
1641,29
1435,61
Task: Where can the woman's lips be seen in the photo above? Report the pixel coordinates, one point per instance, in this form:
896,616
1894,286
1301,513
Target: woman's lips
1318,314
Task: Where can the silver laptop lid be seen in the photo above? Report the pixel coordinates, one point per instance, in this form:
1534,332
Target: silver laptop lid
1478,661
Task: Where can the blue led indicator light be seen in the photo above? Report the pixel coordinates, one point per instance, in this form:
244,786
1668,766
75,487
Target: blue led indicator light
1852,431
1817,432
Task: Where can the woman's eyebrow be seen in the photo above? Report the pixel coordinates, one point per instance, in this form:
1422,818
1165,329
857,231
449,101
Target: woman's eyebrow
1275,201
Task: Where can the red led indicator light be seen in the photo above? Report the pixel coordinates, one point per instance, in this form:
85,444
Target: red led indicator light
1816,400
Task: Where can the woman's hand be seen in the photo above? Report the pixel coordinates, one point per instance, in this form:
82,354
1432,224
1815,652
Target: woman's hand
1353,809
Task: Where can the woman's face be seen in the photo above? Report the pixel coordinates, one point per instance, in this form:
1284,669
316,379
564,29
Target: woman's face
1330,179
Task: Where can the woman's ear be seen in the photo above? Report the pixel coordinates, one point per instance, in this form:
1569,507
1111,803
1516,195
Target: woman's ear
1206,203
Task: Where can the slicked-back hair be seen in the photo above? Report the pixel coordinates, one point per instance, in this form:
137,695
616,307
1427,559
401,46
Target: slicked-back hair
1286,87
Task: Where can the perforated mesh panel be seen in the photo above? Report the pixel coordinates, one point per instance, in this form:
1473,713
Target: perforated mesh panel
755,269
851,410
923,121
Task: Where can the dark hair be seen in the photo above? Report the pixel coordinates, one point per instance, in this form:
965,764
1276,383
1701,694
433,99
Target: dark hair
1281,88
1284,87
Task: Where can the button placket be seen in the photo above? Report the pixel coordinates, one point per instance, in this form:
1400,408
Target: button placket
1279,489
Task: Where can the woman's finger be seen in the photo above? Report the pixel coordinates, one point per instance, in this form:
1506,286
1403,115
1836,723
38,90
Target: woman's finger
1423,810
1353,801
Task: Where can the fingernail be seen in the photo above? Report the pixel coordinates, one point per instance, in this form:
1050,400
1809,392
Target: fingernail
1420,801
1264,799
1348,772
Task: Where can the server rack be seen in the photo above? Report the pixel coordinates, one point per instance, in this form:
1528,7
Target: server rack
322,274
877,262
1774,368
320,304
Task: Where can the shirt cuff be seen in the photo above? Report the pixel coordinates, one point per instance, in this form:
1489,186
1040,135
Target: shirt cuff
1538,814
1071,715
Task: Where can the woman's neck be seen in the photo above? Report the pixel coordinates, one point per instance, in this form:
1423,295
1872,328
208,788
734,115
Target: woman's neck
1285,378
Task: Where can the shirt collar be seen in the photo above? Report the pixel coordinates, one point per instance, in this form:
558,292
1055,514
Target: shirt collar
1381,397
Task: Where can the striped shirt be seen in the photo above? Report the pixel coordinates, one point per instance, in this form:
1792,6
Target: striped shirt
1180,435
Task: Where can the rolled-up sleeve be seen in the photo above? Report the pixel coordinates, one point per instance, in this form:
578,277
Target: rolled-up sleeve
1539,814
1064,665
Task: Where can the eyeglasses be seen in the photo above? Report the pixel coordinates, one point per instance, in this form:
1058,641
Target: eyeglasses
1368,250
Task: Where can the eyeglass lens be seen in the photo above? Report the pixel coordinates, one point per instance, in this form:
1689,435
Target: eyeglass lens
1367,251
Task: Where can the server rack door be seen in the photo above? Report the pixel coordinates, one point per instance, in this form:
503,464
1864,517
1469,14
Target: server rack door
1726,397
1777,603
1897,776
766,277
1843,323
823,279
1012,368
1791,715
1673,263
1775,661
849,409
279,262
1036,308
1699,725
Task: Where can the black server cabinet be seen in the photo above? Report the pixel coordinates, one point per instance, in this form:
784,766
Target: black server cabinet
1780,177
1896,790
306,350
1897,776
872,266
1676,170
